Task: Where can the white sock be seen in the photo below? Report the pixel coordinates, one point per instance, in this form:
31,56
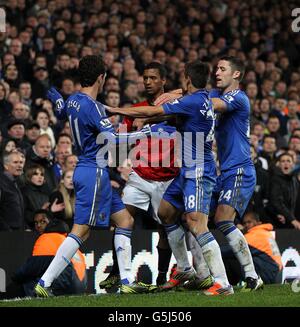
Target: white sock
62,258
176,238
212,255
123,249
199,262
239,247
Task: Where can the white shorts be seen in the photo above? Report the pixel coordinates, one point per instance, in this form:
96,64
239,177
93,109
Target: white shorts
140,192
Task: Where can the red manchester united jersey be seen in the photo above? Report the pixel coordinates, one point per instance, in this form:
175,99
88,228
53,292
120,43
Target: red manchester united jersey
159,156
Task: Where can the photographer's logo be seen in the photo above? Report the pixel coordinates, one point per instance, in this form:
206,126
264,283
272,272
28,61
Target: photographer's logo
296,21
2,20
296,285
2,281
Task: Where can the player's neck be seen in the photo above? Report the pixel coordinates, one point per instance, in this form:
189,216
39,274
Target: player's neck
193,89
234,86
90,91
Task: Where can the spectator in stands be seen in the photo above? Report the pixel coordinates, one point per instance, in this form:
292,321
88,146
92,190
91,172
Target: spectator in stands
73,280
283,193
43,119
5,106
61,69
61,152
65,195
273,125
34,194
278,110
47,105
16,131
258,129
21,111
260,197
32,133
41,82
67,87
11,199
64,140
112,99
25,93
269,149
40,153
70,162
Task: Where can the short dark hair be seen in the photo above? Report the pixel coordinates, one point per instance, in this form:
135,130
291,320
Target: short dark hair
269,136
250,212
90,67
198,72
236,64
45,212
284,154
156,65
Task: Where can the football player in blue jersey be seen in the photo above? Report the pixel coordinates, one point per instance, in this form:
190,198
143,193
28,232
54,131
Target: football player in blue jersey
238,178
96,202
190,192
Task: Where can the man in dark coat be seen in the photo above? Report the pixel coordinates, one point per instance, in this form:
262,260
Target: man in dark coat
283,193
11,200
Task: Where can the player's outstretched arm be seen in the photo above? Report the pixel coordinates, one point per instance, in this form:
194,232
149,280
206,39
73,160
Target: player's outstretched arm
219,105
138,112
59,105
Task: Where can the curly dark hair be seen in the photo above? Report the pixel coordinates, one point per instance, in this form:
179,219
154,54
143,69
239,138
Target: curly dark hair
90,67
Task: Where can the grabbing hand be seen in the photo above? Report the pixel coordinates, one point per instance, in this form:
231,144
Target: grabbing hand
56,98
168,97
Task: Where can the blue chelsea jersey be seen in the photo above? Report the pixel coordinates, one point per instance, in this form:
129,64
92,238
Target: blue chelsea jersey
197,127
233,130
87,119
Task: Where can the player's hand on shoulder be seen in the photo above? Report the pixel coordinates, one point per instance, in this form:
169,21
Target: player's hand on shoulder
168,97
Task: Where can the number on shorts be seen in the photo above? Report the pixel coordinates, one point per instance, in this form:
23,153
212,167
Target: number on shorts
225,196
190,201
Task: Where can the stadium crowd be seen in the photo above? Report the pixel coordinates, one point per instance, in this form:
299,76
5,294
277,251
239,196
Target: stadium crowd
44,41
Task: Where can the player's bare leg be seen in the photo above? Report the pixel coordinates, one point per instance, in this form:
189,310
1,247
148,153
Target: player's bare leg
169,216
224,220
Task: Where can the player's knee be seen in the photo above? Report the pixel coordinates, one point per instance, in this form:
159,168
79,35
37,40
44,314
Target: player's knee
224,212
127,222
197,223
164,217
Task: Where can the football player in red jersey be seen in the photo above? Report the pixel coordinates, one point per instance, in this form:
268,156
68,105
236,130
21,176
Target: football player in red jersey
146,184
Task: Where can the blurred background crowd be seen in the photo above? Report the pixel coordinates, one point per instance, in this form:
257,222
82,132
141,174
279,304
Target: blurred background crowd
44,41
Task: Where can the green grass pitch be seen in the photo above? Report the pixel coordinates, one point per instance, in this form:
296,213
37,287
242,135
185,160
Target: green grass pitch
270,296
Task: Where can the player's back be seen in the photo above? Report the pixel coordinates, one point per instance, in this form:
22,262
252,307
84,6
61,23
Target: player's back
233,130
196,124
87,119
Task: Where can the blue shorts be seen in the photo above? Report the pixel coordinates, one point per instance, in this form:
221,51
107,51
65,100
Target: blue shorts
235,188
190,194
95,200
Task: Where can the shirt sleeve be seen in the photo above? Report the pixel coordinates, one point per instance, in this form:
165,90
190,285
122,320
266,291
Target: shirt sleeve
233,102
181,106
